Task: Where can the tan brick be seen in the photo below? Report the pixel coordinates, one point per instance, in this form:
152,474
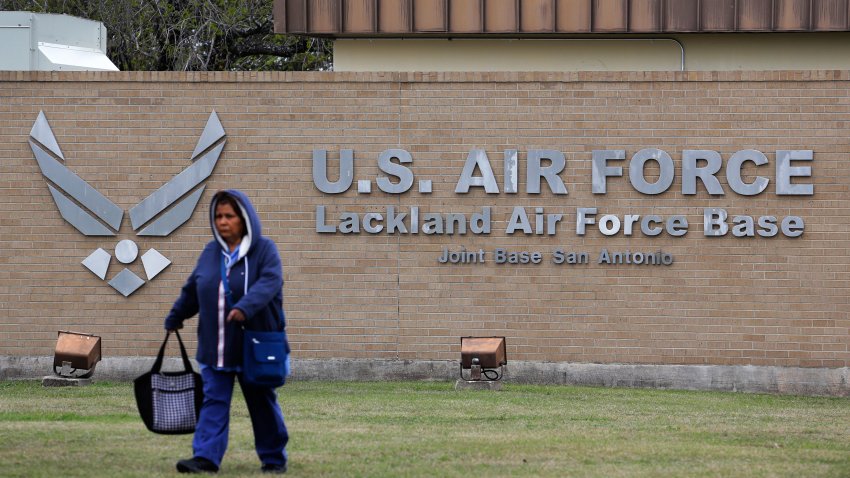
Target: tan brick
725,301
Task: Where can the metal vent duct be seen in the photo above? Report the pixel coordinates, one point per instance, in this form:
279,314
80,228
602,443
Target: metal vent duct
48,42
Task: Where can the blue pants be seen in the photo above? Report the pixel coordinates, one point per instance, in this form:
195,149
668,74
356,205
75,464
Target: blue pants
210,440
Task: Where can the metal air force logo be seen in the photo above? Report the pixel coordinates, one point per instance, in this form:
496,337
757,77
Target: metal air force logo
159,214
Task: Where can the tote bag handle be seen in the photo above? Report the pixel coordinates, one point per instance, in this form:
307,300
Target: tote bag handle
187,365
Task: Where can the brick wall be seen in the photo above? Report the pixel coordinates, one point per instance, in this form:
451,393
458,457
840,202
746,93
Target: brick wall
725,300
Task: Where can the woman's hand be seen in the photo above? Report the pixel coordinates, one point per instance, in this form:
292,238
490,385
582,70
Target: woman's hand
236,315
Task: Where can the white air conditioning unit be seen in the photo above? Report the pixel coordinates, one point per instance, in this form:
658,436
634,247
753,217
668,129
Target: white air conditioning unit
49,42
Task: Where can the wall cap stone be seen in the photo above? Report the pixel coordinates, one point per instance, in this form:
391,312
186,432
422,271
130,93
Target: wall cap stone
421,77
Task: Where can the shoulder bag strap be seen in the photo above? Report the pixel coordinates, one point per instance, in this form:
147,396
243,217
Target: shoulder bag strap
228,297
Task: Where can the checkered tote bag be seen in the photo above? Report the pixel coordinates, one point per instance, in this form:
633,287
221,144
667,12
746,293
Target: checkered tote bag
169,402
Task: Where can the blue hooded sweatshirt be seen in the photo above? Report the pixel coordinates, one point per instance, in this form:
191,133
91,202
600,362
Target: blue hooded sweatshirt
255,278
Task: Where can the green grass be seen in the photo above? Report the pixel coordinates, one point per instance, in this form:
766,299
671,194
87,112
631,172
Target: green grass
427,429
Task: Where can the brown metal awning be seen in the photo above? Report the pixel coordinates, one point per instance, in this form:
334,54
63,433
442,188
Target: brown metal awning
553,18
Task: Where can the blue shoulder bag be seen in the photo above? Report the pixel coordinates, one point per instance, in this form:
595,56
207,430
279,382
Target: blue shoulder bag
265,353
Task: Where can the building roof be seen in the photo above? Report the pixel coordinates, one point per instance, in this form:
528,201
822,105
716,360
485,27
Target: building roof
553,18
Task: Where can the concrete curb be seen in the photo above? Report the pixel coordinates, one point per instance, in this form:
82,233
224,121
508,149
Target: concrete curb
735,378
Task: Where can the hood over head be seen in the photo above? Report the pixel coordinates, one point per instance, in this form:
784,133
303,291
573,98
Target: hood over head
250,219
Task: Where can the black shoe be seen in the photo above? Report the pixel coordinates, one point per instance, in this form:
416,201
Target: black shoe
270,468
196,465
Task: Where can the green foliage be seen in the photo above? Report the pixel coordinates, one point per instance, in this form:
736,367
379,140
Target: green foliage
191,35
428,429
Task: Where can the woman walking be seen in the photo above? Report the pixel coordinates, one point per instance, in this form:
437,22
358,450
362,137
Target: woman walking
252,297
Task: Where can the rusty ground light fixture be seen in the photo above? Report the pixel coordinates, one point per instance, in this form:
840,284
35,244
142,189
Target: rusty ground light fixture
76,354
483,357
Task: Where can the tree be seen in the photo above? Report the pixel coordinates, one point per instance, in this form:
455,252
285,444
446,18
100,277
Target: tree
191,35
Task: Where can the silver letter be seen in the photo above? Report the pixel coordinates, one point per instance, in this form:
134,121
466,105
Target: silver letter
480,222
477,157
367,223
733,172
511,171
582,220
768,226
636,166
784,173
609,224
534,172
404,174
628,221
650,231
677,226
792,226
714,217
690,171
320,221
601,170
519,220
320,171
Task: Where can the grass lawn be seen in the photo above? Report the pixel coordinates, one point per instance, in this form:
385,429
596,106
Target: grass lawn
427,429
